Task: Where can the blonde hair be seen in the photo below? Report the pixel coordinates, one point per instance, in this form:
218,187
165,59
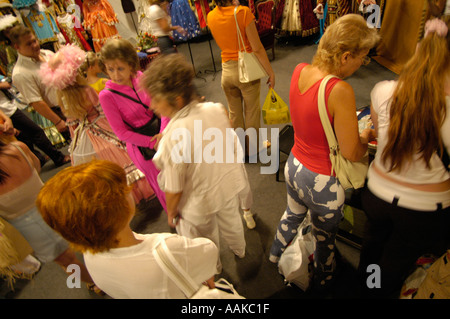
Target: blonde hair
170,76
418,106
74,99
91,59
87,204
349,33
120,49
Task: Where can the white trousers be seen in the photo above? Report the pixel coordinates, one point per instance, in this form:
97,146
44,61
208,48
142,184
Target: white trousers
226,223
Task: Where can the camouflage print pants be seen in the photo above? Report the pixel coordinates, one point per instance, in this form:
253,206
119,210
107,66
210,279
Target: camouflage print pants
323,197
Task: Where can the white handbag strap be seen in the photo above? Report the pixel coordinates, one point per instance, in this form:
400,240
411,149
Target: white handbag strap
240,38
326,124
332,142
173,270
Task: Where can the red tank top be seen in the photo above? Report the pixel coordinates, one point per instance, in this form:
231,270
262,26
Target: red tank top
310,143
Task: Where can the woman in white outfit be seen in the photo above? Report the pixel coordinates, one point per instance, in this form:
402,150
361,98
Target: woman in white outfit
200,174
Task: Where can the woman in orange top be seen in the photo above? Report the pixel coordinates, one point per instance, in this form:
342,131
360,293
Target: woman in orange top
243,98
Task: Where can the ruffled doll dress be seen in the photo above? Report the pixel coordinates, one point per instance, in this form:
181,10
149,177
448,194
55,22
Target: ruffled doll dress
107,146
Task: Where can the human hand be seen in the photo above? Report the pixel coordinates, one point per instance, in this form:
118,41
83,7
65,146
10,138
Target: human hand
61,126
271,81
7,128
368,135
319,11
181,31
156,137
173,219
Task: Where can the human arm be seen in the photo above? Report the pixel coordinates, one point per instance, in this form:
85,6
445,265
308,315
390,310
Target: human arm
6,125
172,201
342,107
166,27
260,52
42,108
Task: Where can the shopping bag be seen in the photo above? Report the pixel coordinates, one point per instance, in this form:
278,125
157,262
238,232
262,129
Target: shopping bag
275,110
296,262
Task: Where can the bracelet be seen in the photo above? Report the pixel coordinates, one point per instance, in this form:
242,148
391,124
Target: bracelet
58,122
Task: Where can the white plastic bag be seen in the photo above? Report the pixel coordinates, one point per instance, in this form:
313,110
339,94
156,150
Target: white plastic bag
296,261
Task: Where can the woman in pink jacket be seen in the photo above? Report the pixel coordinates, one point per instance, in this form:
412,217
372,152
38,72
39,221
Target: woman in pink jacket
126,107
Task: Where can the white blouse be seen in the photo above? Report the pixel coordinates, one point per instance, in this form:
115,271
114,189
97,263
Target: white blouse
133,273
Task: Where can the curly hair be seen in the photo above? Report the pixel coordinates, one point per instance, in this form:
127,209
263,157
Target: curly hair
349,33
87,204
119,49
170,76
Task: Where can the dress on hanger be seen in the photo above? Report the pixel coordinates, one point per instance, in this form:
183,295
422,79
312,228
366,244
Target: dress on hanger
298,18
42,22
74,35
182,15
100,20
202,8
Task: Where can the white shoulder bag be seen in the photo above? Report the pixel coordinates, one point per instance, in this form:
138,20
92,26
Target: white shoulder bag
350,174
167,262
250,69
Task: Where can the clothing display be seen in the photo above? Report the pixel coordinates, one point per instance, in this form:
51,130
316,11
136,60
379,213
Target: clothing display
75,34
400,36
42,22
298,18
182,15
100,20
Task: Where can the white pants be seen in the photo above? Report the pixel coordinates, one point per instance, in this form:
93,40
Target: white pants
226,223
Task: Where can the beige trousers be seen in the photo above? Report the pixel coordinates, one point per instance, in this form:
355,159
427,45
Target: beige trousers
243,98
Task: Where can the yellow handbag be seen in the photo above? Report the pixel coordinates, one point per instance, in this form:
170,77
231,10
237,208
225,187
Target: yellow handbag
275,110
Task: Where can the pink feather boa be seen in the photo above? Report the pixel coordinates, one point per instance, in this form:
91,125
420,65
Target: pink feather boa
61,69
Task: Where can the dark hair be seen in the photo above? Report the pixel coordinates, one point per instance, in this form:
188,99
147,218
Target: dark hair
17,32
120,49
170,76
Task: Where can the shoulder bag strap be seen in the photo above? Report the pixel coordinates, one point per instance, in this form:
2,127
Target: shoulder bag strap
239,35
128,97
324,115
173,270
326,124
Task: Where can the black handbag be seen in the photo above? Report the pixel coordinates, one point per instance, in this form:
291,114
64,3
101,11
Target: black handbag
151,128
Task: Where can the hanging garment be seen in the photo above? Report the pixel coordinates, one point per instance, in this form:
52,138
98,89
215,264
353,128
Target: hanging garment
202,8
100,20
73,34
182,15
42,22
298,18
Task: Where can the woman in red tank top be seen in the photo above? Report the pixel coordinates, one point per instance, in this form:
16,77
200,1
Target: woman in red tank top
310,185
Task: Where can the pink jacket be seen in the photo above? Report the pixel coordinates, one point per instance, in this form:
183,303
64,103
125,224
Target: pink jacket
119,109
